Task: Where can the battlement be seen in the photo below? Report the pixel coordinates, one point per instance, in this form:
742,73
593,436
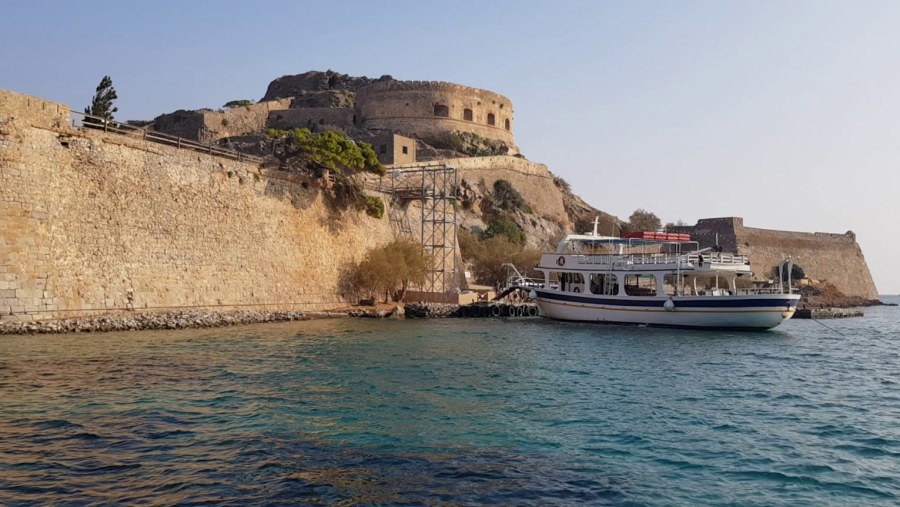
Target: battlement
33,111
392,86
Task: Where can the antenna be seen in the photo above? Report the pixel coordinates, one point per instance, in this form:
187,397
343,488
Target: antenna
596,223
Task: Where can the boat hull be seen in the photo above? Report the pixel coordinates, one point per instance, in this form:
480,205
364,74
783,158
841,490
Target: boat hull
758,312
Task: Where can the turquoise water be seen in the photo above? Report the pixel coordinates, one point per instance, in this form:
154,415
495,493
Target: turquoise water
450,412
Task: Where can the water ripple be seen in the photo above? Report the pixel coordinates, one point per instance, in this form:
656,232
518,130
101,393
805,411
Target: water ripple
454,413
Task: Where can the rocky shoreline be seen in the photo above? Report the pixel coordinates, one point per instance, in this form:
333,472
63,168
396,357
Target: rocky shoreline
193,319
159,321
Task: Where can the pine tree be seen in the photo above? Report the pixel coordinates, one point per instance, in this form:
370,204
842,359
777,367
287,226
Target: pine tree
102,104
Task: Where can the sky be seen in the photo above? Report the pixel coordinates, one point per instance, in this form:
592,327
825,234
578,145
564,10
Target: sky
785,113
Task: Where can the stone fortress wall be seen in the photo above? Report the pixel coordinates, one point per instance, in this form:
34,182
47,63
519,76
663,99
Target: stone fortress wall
206,126
835,258
428,108
531,179
93,222
420,109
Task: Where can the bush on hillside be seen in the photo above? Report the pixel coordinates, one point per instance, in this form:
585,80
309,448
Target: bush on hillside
507,228
390,270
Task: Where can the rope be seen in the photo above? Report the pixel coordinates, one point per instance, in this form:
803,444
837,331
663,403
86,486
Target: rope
828,327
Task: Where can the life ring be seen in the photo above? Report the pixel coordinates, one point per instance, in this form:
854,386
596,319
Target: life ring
561,261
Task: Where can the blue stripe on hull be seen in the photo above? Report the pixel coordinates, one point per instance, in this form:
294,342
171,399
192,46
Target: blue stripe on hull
669,326
706,302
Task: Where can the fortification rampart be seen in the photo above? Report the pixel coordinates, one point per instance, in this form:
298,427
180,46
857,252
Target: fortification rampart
835,258
93,222
209,126
531,179
423,108
311,117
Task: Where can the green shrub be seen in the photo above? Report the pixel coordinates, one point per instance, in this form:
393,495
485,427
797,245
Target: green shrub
488,256
276,132
505,227
337,152
238,103
390,270
507,198
374,206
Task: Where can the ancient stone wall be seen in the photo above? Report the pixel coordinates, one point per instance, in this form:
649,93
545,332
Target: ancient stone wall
428,108
209,126
835,258
310,117
93,222
531,179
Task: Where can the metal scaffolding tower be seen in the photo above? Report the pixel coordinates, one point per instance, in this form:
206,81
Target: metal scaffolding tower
435,186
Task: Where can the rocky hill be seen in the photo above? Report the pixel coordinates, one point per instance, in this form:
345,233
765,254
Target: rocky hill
315,81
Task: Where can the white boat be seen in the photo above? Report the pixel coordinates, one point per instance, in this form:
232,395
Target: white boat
657,279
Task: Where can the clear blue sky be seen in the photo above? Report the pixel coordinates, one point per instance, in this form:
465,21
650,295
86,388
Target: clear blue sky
786,113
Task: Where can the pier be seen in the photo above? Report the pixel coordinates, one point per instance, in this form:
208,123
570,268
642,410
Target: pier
472,311
827,313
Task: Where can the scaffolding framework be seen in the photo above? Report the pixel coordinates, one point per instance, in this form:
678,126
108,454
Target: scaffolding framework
435,187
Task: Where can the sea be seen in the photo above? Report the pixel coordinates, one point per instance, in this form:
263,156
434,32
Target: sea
455,412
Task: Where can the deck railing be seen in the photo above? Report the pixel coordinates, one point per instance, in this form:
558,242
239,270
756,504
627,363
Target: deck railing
87,121
622,261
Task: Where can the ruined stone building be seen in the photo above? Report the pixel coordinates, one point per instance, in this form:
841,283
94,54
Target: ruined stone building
385,112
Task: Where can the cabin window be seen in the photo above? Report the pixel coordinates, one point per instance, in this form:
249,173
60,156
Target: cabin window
606,284
571,282
670,285
640,285
491,119
441,110
467,114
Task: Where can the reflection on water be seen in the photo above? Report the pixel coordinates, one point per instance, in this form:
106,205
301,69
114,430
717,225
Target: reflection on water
454,412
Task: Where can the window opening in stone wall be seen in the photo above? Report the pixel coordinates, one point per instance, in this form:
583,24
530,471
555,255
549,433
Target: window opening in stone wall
441,110
506,123
491,120
501,106
467,114
382,149
405,150
354,119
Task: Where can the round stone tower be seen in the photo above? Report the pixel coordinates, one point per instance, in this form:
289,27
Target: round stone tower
428,108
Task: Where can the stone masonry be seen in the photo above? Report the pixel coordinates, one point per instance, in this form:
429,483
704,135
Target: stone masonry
98,223
835,258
